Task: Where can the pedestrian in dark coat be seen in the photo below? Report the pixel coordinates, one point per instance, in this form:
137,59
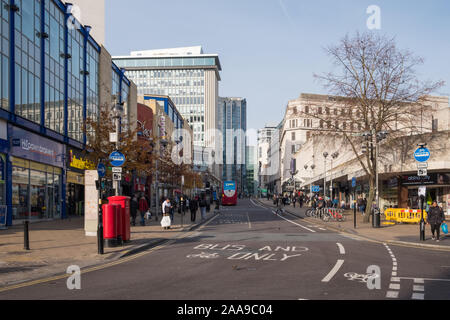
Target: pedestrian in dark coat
193,206
435,218
133,210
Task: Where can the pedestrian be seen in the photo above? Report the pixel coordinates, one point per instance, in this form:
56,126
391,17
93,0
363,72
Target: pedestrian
435,218
133,209
300,201
143,207
193,206
343,204
294,200
202,206
364,205
172,209
166,221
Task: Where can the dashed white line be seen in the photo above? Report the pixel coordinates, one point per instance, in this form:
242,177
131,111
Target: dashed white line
418,296
341,248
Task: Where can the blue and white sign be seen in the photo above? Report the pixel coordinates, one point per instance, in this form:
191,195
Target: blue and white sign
353,182
101,170
117,159
422,155
315,188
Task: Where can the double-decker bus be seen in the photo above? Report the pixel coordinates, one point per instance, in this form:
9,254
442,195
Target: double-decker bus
229,195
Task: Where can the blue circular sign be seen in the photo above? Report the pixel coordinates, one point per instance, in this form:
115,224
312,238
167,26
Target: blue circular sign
422,155
117,159
101,169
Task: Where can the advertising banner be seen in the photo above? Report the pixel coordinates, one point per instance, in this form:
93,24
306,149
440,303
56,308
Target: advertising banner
30,146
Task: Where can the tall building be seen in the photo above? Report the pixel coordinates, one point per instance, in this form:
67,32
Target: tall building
265,136
233,126
189,76
252,170
53,78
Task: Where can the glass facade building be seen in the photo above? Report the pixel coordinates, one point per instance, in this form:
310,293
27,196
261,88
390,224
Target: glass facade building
49,84
181,74
232,114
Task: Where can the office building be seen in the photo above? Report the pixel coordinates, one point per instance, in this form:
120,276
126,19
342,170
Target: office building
54,77
233,126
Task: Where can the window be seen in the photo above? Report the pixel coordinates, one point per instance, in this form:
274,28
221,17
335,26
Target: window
434,125
293,136
307,109
293,149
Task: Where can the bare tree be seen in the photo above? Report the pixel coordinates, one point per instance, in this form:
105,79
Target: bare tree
375,88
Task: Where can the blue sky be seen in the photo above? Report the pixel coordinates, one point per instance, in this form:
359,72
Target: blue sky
269,49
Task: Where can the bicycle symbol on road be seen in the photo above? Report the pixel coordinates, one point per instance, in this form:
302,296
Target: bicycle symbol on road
360,277
203,255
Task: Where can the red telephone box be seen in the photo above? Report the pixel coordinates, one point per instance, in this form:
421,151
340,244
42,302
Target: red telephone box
124,225
111,215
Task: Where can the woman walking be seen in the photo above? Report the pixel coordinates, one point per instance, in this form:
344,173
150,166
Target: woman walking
166,221
435,218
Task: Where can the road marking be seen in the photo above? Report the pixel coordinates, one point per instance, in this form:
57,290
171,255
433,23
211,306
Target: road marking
294,222
341,248
392,294
418,288
418,296
394,286
333,271
418,280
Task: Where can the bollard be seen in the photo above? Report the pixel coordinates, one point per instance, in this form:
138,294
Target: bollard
26,238
422,221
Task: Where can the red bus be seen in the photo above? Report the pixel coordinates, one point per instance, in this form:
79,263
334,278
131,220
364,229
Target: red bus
229,195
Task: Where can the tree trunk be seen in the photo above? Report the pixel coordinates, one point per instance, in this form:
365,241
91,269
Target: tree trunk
370,199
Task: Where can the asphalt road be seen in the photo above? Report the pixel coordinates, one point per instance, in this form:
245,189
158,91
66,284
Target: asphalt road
248,252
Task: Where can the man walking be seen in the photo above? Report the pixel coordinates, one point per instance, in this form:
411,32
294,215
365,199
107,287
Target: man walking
133,210
435,218
143,207
193,206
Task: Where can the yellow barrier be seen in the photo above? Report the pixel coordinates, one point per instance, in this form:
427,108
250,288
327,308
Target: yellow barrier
404,215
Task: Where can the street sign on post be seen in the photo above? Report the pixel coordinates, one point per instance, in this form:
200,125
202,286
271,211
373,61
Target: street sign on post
422,172
117,169
422,154
117,159
117,176
101,169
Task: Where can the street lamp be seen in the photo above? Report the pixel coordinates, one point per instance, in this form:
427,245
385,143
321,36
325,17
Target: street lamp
325,155
333,156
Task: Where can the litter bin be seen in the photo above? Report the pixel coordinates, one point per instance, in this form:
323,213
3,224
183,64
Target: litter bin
124,228
111,214
376,218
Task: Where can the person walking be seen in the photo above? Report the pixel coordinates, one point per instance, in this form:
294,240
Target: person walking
435,218
203,207
143,207
172,209
166,221
193,206
294,200
133,209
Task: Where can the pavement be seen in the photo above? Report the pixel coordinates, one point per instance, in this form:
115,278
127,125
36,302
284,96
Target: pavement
400,234
56,245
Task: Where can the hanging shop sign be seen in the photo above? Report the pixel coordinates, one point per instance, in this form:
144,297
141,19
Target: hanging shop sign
76,160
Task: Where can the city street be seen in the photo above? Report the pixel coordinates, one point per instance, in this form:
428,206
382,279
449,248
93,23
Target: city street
248,252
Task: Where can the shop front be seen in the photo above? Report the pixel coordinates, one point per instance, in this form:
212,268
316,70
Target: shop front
438,189
37,176
77,163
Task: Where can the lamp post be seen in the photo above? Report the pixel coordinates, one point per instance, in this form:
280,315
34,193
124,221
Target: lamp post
117,109
325,155
333,156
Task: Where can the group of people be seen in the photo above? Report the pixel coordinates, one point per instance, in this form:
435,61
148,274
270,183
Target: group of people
140,205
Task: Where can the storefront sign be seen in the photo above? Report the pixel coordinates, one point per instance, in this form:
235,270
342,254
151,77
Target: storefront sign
78,161
432,178
35,147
